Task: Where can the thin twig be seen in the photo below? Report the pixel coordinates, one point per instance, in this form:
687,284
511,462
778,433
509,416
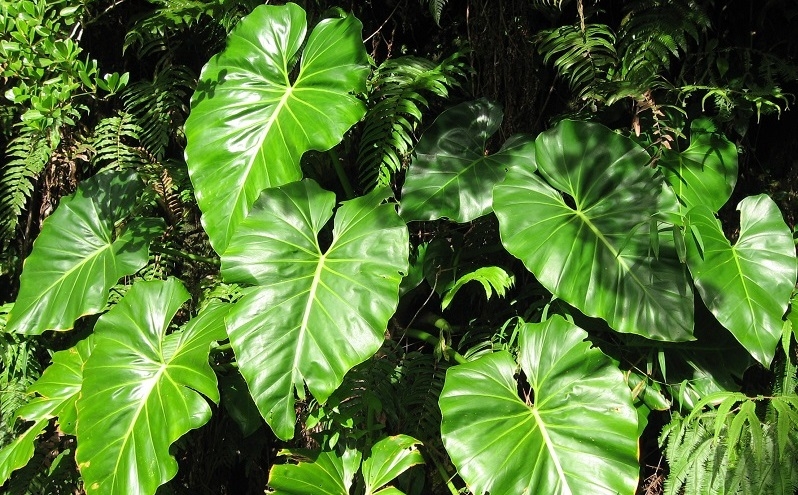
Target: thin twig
384,23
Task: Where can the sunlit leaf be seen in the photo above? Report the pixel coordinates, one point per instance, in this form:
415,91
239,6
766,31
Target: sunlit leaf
747,286
79,255
316,311
57,390
253,115
143,389
582,228
574,433
706,172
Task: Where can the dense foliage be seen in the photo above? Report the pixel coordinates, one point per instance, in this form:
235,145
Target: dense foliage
509,247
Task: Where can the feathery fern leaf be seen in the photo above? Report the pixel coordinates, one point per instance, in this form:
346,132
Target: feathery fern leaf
655,31
730,450
115,143
397,105
581,56
27,156
435,8
159,108
175,16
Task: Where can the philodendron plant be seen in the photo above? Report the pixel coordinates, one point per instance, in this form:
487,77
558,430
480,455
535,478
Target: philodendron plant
582,207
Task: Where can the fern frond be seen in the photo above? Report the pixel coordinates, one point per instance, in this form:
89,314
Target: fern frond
115,143
419,386
362,403
581,56
27,156
656,31
19,368
731,450
159,108
435,8
171,17
398,101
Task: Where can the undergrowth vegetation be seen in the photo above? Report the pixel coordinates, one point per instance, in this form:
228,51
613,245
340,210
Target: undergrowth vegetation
400,247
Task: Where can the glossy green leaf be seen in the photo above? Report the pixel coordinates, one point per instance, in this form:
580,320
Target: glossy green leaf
142,389
451,174
252,118
575,433
583,230
316,312
330,473
492,278
79,256
706,172
746,286
316,473
57,390
389,458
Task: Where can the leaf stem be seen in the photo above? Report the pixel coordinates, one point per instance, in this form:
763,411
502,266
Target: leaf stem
447,479
339,170
183,254
431,339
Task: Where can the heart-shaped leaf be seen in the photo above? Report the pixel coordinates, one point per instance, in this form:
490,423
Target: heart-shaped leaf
576,433
317,312
706,172
78,256
746,286
57,390
451,174
141,389
252,119
329,473
584,230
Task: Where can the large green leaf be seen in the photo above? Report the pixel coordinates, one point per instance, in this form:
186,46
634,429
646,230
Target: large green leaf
747,286
704,173
329,473
575,434
316,473
58,389
451,174
79,255
141,389
252,118
389,458
584,230
316,312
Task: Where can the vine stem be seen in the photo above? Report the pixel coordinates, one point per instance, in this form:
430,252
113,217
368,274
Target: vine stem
190,256
350,193
435,341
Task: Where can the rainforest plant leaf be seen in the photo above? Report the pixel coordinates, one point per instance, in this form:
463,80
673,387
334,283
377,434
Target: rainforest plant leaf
315,473
451,174
330,473
492,278
254,115
706,172
316,312
748,285
582,228
143,389
79,255
389,458
57,390
575,432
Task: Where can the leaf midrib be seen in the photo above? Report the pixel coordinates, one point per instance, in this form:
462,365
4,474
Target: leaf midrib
552,452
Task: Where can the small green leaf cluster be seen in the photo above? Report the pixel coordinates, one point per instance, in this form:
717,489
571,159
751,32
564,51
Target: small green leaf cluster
48,85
